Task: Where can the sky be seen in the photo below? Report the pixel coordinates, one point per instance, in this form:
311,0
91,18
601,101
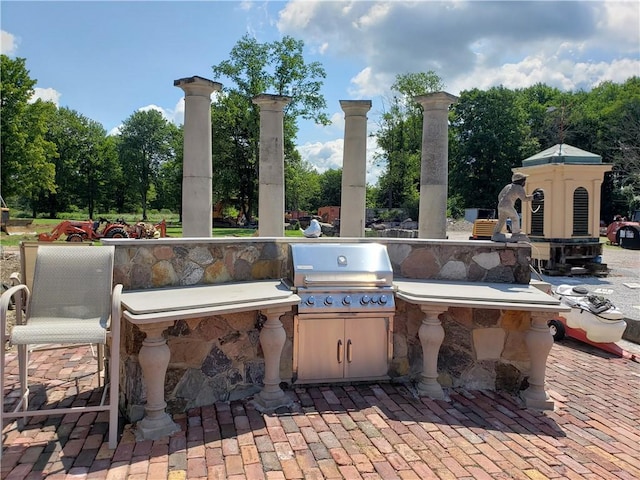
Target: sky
107,60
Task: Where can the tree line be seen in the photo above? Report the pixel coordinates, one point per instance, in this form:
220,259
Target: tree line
57,160
492,131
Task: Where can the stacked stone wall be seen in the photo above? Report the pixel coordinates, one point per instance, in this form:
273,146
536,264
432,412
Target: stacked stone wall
220,358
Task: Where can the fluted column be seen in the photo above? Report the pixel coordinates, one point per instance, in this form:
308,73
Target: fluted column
354,168
154,359
431,336
539,342
434,168
197,170
271,193
272,340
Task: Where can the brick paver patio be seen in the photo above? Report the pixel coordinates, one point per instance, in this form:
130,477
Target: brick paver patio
363,431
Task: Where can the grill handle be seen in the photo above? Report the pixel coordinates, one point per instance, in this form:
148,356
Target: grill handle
340,353
349,350
345,283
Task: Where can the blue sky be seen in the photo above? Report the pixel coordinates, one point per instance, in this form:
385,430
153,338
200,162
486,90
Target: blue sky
108,59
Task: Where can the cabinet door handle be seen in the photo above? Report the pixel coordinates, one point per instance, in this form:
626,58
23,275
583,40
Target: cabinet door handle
349,350
340,355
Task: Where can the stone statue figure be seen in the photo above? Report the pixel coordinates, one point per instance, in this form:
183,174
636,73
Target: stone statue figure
313,230
506,209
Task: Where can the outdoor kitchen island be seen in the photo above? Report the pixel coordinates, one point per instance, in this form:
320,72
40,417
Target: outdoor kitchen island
219,354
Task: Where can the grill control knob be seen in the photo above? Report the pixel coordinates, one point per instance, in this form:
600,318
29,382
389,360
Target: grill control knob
383,299
311,300
346,300
328,300
365,299
374,299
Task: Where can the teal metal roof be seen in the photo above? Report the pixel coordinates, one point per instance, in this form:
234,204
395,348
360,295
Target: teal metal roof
562,153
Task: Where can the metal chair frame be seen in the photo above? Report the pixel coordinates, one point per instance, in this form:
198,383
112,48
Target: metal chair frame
24,296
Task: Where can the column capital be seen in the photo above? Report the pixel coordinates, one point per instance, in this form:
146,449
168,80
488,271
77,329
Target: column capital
355,107
268,101
197,86
436,101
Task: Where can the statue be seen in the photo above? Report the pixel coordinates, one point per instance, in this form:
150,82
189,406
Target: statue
313,230
506,209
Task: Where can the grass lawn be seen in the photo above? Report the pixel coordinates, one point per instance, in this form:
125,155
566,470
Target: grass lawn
40,225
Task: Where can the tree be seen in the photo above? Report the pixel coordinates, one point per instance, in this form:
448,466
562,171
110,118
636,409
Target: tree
400,139
169,182
24,151
545,110
489,136
81,166
610,120
255,68
302,185
331,187
146,142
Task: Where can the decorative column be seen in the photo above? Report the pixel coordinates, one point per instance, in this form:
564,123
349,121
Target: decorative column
197,170
271,192
272,339
431,336
354,168
434,168
539,342
154,359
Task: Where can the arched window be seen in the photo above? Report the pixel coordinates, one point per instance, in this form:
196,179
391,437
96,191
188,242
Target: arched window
537,214
580,212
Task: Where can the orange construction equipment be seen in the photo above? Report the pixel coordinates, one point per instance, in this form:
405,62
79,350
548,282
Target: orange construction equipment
89,230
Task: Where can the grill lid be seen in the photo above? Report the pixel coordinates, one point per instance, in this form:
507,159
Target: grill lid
341,265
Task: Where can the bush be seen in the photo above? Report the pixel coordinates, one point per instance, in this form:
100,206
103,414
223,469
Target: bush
455,207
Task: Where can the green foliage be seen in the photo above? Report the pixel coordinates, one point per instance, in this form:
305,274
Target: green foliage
488,138
147,141
608,119
169,179
302,185
255,68
331,188
455,206
56,160
84,166
400,141
24,152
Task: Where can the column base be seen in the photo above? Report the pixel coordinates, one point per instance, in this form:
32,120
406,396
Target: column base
154,429
268,403
537,400
431,390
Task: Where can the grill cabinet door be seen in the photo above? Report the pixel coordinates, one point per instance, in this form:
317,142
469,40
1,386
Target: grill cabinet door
320,343
366,347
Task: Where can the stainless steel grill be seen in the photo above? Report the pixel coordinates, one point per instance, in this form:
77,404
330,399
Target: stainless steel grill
342,277
343,330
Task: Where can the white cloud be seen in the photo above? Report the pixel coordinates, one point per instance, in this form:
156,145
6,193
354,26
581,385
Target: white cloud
367,84
46,95
554,71
569,45
167,114
176,115
620,24
8,43
178,112
328,155
323,155
297,15
376,15
115,130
